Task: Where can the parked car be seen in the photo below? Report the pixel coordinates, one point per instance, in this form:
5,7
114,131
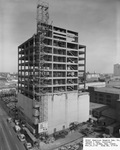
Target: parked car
9,119
28,146
63,148
73,125
17,122
17,128
59,134
21,137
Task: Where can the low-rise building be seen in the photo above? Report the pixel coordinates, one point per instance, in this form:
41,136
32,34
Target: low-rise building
90,77
109,96
104,95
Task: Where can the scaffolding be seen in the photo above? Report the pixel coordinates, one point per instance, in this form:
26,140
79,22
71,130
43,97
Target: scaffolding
40,74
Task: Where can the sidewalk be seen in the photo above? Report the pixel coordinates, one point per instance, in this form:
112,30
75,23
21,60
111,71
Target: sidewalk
70,138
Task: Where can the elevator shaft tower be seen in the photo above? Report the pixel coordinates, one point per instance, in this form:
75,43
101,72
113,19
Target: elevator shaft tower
40,74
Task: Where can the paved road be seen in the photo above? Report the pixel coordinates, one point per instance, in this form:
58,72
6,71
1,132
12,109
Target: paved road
8,137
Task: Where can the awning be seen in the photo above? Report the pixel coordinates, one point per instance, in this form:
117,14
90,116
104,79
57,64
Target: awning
30,135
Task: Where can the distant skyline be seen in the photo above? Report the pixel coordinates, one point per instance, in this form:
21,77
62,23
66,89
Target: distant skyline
97,22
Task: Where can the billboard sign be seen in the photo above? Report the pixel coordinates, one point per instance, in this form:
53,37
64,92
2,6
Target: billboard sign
42,127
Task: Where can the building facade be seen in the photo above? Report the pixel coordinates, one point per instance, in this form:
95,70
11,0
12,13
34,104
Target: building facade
48,84
104,95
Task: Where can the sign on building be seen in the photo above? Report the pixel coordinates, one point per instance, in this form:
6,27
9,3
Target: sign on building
42,127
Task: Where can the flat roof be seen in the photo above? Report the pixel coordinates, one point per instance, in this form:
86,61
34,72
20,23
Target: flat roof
110,113
95,105
96,84
108,90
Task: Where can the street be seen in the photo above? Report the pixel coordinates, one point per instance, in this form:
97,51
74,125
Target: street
8,137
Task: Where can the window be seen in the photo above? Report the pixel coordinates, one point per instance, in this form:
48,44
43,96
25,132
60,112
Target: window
101,95
108,101
100,99
108,96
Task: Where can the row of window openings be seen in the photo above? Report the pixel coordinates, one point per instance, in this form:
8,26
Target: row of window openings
55,59
30,51
48,74
49,58
71,33
68,37
55,42
60,44
49,89
49,82
49,50
101,95
101,99
55,74
55,67
49,42
26,71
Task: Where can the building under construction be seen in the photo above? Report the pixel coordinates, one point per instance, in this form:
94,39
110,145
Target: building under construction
50,64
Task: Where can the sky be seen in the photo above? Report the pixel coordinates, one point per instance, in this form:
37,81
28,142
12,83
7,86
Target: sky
97,22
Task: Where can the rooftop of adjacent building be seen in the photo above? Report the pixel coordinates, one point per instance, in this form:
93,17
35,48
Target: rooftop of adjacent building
105,110
6,84
110,113
112,90
96,105
95,84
